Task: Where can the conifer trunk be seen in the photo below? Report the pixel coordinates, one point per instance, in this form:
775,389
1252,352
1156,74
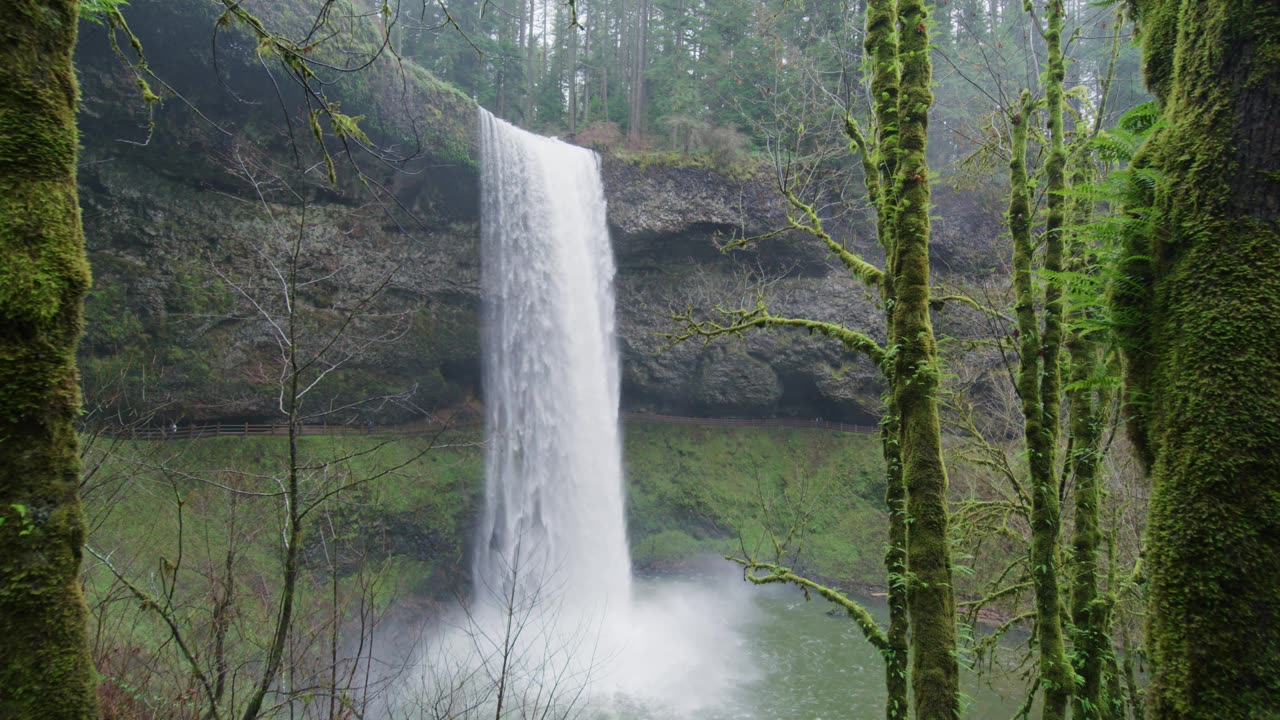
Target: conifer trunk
1201,339
45,668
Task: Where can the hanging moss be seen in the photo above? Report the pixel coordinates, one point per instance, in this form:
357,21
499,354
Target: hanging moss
45,669
1201,328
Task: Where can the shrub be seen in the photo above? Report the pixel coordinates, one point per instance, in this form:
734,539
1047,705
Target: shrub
601,136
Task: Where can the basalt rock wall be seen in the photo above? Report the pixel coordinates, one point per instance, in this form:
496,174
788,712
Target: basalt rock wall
220,250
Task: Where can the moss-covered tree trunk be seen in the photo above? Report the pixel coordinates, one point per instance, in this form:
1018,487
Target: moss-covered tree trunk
1090,612
1203,349
1088,403
880,168
1039,428
935,672
45,669
1056,676
1098,695
897,654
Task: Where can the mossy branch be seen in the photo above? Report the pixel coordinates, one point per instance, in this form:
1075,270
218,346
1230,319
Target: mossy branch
861,269
997,595
300,60
778,574
108,12
859,146
938,301
738,322
990,507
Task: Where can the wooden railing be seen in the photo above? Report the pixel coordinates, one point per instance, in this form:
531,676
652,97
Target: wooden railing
246,429
221,429
788,423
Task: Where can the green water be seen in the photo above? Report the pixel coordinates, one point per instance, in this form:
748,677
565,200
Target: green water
781,657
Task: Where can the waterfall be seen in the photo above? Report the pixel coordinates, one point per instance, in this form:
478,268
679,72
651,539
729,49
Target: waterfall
554,627
554,506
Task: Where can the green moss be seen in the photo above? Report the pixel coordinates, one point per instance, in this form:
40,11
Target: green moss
1200,334
668,546
1158,29
707,484
935,673
692,492
45,670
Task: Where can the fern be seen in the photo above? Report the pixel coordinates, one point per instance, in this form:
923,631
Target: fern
1122,207
97,11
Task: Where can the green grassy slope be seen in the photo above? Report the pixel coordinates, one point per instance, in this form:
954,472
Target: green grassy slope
196,527
691,491
710,490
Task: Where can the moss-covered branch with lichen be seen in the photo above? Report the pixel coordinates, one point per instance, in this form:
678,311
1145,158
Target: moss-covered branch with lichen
861,269
763,573
737,322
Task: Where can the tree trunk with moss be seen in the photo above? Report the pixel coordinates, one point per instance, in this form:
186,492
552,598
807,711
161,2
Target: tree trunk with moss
1088,403
897,654
1201,326
1039,427
1042,433
935,672
880,173
1090,612
45,668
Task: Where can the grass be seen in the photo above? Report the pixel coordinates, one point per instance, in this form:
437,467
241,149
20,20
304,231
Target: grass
696,491
691,491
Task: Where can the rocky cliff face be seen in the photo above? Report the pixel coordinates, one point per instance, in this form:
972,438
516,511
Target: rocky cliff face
191,237
668,222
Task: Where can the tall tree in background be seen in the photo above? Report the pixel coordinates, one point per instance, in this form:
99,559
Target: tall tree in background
45,670
1202,330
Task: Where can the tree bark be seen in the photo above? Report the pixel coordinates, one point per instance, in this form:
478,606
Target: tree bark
1200,325
880,172
635,123
1056,675
931,599
45,668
